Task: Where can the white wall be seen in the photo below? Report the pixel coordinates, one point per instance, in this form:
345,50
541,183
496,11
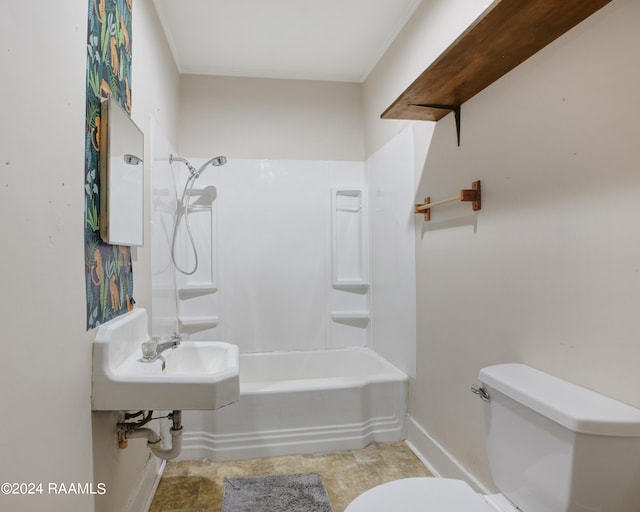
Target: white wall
547,273
45,366
270,118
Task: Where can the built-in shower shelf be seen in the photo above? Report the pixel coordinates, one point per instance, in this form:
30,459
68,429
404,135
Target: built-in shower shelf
349,239
354,318
195,290
351,286
202,322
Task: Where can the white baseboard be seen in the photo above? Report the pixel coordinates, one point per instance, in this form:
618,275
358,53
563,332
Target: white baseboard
437,459
140,500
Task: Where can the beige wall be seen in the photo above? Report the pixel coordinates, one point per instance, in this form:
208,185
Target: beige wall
548,272
270,118
45,363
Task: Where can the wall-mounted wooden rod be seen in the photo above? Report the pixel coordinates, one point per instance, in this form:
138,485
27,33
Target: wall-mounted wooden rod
427,205
472,195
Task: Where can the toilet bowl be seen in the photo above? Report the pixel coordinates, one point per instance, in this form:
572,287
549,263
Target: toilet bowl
427,494
547,440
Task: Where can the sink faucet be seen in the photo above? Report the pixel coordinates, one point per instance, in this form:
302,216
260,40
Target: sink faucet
173,341
152,351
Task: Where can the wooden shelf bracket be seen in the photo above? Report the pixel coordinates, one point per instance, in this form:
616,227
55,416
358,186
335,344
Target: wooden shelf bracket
453,108
473,195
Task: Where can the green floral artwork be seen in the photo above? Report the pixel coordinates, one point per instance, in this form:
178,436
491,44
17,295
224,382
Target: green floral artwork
108,268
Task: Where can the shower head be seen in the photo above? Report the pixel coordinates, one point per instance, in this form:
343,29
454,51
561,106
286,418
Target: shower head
219,160
216,162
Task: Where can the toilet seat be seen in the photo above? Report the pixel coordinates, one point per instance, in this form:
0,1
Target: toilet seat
423,494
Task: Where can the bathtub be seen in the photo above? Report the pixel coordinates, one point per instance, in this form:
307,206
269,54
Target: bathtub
302,402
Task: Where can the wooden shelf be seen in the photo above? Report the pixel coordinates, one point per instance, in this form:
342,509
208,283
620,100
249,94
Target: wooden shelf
505,35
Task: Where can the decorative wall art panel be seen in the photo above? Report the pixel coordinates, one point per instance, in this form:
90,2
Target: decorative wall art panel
108,268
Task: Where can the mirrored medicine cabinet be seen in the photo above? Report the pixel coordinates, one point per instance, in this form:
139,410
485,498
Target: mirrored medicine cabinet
121,177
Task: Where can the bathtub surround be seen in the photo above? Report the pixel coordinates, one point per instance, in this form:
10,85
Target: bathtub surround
302,275
264,281
393,306
296,277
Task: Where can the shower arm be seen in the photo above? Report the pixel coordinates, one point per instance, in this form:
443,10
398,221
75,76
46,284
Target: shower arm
192,169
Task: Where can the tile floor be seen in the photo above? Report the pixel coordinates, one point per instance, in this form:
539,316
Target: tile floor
196,486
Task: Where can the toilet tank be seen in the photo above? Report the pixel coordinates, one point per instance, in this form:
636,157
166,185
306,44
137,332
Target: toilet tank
554,446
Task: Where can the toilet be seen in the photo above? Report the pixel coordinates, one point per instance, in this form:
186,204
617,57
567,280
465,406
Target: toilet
553,446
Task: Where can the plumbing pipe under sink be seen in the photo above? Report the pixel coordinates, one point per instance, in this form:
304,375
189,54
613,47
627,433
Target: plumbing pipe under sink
154,442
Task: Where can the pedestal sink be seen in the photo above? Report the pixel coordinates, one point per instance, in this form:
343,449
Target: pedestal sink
197,375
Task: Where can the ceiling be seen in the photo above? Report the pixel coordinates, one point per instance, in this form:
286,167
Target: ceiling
337,40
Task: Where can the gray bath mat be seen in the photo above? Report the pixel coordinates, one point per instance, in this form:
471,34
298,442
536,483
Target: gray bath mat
279,493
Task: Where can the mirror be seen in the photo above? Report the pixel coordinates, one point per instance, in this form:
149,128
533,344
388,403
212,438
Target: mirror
121,177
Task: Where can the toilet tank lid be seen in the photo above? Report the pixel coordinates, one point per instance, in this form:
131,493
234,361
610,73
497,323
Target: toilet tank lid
576,408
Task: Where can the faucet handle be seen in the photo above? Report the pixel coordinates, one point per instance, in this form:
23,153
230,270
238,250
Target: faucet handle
149,348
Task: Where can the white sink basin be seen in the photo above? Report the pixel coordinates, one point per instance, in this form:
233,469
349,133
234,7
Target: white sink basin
200,375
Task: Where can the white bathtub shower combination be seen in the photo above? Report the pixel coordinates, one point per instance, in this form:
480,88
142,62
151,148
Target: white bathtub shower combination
302,402
290,280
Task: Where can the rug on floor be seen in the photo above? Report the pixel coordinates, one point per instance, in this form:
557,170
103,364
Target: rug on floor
277,493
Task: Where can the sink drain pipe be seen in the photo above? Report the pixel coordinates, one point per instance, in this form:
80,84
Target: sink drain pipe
154,440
